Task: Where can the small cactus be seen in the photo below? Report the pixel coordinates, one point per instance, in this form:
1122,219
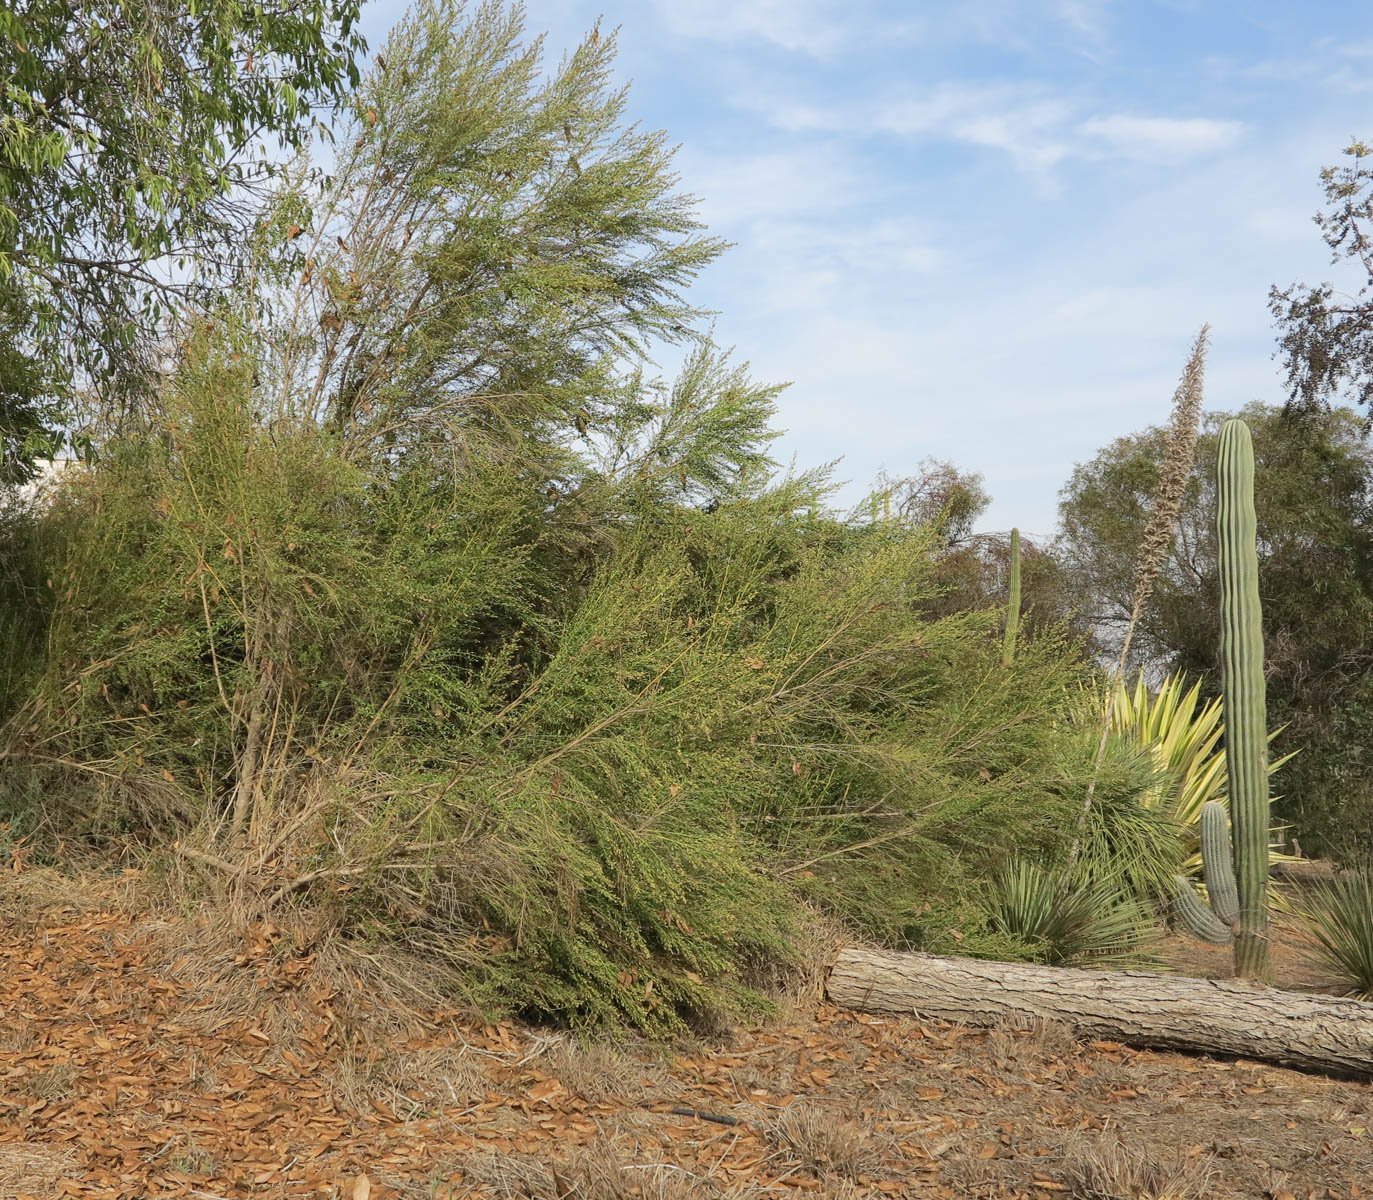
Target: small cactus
1013,606
1217,923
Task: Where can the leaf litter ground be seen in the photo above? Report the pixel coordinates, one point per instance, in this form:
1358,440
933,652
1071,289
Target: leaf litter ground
131,1066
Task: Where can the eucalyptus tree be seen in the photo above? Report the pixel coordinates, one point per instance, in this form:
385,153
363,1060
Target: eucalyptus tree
137,140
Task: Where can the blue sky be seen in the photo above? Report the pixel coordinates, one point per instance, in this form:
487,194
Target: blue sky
987,230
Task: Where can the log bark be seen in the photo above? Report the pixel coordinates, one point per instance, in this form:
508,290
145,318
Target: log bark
1211,1016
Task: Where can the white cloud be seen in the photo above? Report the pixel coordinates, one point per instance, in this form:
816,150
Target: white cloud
1161,137
1025,121
1036,126
814,226
1016,26
798,26
781,184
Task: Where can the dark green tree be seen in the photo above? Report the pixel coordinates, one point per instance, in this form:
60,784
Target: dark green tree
133,160
1314,492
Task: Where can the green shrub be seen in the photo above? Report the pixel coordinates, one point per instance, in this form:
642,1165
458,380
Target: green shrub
1080,923
405,600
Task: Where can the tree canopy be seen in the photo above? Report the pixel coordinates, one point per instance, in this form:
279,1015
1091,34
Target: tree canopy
1326,335
133,160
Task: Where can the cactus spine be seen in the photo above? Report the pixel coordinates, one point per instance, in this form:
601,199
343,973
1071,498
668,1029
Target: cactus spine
1013,607
1246,741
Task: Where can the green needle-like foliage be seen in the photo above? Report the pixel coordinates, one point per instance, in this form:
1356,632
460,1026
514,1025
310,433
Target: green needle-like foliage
413,599
1338,925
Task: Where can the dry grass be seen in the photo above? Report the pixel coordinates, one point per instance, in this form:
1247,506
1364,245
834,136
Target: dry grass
17,1040
838,1106
598,1071
1030,1041
409,1078
33,1168
194,1160
232,967
1109,1170
35,893
825,1144
797,990
595,1174
970,1176
55,1083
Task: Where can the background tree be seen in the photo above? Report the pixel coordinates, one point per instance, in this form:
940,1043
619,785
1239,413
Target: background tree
132,168
973,568
1326,336
1314,484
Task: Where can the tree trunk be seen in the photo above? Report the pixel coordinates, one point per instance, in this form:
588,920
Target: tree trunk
1215,1016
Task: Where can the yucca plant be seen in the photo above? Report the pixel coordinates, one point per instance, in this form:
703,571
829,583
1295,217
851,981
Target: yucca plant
1182,736
1078,923
1337,929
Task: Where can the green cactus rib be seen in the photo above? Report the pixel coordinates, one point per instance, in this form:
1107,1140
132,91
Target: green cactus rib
1013,606
1246,742
1192,911
1217,865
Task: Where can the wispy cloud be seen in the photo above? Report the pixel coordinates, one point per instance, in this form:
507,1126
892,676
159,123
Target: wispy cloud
1035,125
812,27
779,184
1158,138
1024,121
1021,27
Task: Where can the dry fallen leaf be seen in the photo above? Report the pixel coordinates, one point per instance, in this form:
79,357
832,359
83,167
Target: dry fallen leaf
362,1188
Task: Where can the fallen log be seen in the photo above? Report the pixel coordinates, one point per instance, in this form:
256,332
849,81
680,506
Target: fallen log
1211,1016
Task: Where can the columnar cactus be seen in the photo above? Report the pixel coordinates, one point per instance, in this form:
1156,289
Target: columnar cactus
1013,607
1246,737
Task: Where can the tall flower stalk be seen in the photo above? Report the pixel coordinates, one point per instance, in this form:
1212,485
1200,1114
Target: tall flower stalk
1180,449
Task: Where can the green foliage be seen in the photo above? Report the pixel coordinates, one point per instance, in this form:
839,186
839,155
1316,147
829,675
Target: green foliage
411,598
1081,923
495,241
131,165
1325,341
1181,734
1338,923
1131,841
28,415
1312,494
575,772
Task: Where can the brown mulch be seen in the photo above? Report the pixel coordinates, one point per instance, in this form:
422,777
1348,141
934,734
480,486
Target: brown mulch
123,1075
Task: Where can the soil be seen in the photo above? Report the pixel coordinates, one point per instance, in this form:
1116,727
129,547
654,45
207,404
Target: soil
133,1066
1292,967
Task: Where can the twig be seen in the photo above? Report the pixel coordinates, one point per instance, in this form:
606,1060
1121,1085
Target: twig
718,1118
